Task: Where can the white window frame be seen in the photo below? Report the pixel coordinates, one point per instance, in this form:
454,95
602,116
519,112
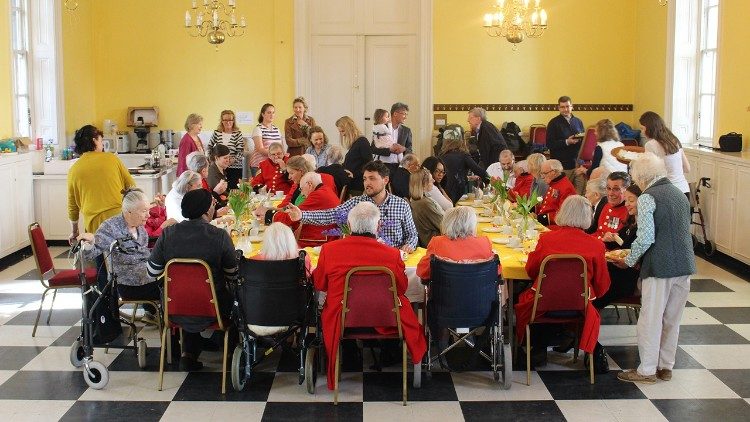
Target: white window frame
707,115
20,6
686,46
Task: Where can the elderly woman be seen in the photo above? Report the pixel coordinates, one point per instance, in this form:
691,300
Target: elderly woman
198,163
188,180
437,192
273,173
569,238
95,182
459,242
230,135
319,146
427,213
596,193
264,134
133,281
297,128
535,161
190,142
315,196
664,248
458,163
221,158
334,166
296,168
358,153
523,181
664,144
607,139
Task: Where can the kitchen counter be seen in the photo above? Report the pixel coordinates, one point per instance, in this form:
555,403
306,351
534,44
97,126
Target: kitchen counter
742,157
162,172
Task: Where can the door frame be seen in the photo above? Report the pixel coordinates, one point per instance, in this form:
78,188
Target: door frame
302,65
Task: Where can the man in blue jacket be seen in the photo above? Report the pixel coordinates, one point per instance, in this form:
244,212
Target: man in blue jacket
563,143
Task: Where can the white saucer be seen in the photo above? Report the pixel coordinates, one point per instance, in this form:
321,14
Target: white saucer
492,229
500,240
484,220
255,239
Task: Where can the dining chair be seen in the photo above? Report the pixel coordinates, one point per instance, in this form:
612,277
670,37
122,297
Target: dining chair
60,279
189,291
562,285
588,146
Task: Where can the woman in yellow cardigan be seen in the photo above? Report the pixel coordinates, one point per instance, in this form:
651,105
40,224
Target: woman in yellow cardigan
95,182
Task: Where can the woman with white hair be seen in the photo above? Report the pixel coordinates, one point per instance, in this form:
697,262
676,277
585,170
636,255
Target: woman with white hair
427,213
334,166
664,248
596,193
188,180
458,243
524,181
569,238
535,161
133,281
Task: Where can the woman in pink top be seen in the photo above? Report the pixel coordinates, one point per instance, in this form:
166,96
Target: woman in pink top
459,242
190,142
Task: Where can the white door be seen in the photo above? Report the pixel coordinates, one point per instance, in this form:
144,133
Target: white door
337,62
726,185
391,76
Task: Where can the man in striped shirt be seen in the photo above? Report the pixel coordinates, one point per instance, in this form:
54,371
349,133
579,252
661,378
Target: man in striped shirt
196,238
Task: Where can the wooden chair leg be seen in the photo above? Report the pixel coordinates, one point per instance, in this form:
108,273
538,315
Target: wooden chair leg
591,368
403,369
52,305
161,358
224,363
39,312
528,356
336,376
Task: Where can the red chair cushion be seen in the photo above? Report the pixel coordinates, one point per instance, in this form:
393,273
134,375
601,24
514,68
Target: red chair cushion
370,301
70,278
189,293
43,257
562,286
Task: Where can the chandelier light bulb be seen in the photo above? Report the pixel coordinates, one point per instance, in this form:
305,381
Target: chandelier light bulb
543,17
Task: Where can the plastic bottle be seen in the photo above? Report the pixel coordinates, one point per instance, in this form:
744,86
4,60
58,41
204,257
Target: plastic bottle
49,151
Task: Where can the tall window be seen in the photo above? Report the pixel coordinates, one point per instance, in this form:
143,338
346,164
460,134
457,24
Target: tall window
695,27
20,46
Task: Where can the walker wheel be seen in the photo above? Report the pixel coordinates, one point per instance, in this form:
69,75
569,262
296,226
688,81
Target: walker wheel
709,248
141,351
96,375
311,370
76,354
507,366
239,362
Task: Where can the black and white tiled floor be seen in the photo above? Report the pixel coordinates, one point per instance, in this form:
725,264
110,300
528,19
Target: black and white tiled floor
711,379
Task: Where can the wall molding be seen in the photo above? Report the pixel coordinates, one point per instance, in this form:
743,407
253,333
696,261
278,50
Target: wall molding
533,107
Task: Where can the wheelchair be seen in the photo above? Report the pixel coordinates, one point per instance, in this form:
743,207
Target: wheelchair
467,301
274,301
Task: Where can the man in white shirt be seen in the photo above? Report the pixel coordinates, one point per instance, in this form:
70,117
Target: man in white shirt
504,168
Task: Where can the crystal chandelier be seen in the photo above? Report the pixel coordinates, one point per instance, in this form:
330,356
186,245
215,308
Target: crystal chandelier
663,2
215,21
70,5
515,20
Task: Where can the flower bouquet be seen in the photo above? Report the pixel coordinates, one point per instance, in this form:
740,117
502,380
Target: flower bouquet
500,187
525,207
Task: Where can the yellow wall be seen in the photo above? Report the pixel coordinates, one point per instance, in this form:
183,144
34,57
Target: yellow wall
733,90
650,59
584,54
78,67
148,59
6,82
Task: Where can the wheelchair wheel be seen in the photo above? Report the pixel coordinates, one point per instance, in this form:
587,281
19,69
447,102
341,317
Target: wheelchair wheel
141,351
507,366
417,383
708,247
239,363
96,375
311,370
76,354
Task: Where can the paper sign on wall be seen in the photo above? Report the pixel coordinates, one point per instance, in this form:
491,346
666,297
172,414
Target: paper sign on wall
245,117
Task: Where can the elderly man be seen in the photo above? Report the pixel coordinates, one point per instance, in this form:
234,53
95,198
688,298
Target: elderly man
196,238
489,140
317,197
397,228
504,168
399,132
337,258
400,175
559,189
335,168
610,218
664,248
564,144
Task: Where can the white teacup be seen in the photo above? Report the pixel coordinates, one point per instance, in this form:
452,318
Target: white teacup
506,229
279,193
497,221
404,256
514,242
532,233
478,202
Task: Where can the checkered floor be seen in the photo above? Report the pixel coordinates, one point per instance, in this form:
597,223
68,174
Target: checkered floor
710,380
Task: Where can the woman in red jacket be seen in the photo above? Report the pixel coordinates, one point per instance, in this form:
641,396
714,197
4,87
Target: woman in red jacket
273,172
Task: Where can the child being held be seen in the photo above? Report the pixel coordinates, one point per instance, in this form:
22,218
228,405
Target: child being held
382,136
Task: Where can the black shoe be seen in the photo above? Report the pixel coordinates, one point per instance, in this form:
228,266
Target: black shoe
538,356
565,347
188,364
210,345
601,364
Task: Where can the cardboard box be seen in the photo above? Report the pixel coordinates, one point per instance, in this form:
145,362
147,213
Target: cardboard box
22,144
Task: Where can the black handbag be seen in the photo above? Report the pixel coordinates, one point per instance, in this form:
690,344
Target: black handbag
731,142
105,326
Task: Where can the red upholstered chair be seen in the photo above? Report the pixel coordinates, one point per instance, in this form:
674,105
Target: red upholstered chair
562,285
370,300
629,142
538,134
61,279
631,302
189,290
586,153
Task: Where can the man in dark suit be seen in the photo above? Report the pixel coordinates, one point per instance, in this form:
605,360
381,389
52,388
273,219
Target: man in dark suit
489,140
400,176
401,133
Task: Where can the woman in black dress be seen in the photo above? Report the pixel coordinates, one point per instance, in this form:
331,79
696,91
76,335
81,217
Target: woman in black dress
357,156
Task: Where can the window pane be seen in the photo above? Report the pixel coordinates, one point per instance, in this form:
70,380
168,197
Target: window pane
22,114
708,73
22,82
18,33
706,119
713,3
712,24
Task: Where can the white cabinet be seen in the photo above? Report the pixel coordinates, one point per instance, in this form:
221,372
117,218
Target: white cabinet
725,186
51,207
741,244
16,211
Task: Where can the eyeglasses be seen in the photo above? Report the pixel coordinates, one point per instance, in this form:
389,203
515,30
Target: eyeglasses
544,173
227,120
